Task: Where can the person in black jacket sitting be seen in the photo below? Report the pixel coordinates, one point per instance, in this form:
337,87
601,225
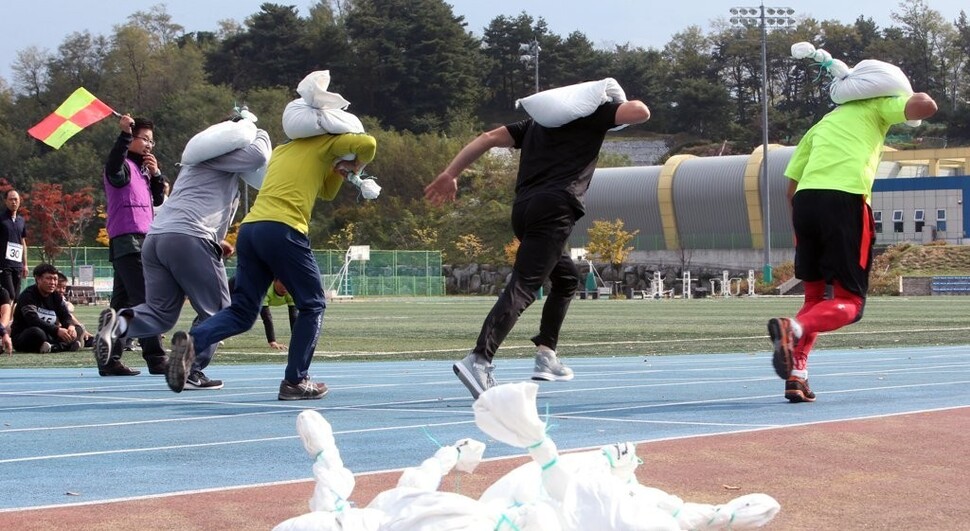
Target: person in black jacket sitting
41,322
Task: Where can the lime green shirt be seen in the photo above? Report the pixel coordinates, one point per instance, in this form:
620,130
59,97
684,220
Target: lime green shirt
275,299
842,151
301,171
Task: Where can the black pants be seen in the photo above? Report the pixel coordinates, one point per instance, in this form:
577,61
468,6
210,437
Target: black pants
10,281
542,224
129,290
30,339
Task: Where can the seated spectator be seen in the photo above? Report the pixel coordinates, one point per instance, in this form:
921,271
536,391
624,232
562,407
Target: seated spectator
277,296
6,316
41,322
87,339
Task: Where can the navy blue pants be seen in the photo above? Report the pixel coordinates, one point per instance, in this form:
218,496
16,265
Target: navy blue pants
266,250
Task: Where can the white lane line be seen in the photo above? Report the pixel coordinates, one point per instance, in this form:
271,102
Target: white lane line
224,443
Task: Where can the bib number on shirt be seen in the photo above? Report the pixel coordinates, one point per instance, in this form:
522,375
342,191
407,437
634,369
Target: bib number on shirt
15,252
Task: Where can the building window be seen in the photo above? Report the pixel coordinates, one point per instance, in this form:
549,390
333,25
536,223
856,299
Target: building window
941,220
877,217
919,218
897,221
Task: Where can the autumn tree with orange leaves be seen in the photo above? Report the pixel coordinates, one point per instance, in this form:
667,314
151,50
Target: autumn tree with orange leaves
59,218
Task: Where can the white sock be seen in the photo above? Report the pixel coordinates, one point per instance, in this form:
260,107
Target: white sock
796,327
545,350
801,373
122,325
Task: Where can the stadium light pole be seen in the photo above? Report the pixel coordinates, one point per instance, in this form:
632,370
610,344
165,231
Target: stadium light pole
777,18
531,55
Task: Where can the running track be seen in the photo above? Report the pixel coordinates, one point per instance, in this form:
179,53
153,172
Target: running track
70,437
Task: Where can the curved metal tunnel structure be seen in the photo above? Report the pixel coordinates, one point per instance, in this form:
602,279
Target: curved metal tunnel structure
694,202
709,211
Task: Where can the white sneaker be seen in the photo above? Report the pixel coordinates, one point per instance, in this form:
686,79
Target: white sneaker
550,369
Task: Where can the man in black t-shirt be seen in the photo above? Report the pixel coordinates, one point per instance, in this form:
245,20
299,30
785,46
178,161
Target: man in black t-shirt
555,168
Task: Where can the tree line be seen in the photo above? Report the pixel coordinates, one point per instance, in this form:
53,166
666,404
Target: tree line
424,84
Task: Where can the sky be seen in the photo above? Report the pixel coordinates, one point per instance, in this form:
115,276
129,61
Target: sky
645,23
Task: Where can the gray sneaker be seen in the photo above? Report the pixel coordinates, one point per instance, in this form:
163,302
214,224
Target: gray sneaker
306,389
179,361
550,368
105,337
475,372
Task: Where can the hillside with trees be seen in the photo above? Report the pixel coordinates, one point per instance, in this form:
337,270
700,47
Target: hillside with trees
425,84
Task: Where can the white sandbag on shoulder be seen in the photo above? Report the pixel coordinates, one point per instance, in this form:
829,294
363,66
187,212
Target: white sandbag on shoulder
301,120
559,106
313,90
870,79
318,111
217,140
255,178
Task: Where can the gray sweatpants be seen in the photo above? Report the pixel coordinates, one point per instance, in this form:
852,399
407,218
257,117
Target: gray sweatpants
179,266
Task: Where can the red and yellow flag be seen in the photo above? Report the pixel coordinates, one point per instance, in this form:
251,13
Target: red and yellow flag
78,111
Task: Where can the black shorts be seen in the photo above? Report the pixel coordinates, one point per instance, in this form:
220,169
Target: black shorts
833,238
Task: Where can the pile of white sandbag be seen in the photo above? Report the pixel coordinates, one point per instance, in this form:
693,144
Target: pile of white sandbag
571,492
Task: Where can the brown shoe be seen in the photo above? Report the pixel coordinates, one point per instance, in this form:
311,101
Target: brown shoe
116,368
157,365
305,390
797,390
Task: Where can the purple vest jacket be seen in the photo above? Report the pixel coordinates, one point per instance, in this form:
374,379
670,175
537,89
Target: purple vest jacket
130,207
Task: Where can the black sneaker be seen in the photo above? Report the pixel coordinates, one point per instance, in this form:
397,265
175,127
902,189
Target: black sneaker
198,380
105,337
180,361
305,390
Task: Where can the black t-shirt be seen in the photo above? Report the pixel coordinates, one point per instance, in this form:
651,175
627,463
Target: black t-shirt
560,159
33,309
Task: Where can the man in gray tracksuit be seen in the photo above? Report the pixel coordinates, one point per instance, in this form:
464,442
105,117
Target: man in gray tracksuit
184,251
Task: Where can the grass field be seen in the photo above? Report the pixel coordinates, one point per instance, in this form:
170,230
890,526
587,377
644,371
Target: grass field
446,327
